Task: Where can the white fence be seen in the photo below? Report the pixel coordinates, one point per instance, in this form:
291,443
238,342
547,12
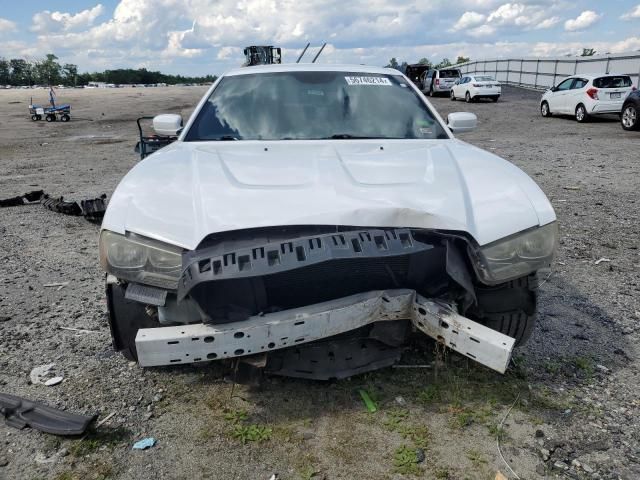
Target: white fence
542,73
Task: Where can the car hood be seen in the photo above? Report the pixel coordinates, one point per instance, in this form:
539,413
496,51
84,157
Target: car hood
189,190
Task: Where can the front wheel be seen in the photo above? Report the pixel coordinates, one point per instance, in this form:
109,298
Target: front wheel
65,118
629,118
495,99
510,308
467,97
452,96
581,114
544,109
34,118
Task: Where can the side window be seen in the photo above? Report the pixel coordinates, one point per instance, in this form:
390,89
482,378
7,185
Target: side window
579,83
566,85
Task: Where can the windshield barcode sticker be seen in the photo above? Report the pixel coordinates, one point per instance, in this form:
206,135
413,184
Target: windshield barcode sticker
368,81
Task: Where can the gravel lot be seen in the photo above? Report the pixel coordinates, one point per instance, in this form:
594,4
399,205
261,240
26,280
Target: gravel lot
574,387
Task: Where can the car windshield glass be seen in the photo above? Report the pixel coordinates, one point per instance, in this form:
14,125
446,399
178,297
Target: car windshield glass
484,79
612,82
314,105
449,73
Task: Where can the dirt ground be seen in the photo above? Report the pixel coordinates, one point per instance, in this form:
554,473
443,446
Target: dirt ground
573,388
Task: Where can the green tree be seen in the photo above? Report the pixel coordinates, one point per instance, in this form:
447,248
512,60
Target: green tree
5,77
20,72
588,52
393,63
70,73
462,59
424,61
49,70
444,63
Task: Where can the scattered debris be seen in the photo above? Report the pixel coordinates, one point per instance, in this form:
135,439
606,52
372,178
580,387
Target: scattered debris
600,260
79,330
20,413
3,462
39,374
400,400
29,197
571,187
602,368
58,284
53,381
371,406
420,455
92,208
412,366
274,477
144,444
105,419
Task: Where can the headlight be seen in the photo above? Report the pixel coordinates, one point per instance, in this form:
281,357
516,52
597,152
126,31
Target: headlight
519,255
140,259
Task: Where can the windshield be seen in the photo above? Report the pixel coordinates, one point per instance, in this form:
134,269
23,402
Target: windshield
484,79
314,105
449,73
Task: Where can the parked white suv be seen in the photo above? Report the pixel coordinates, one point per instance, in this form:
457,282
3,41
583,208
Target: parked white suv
586,95
475,87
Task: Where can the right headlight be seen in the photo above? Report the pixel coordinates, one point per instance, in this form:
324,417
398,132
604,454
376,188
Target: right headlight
519,255
139,259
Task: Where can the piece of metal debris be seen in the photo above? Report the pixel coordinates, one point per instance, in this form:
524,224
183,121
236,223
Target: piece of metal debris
38,375
105,419
20,413
53,381
370,404
600,260
57,284
144,444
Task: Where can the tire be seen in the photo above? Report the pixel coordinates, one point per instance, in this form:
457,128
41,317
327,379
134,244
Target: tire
629,118
431,92
495,99
65,118
50,118
452,96
34,118
467,97
545,111
581,114
509,308
39,117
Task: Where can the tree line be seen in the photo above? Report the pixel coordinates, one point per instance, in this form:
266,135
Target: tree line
444,63
47,71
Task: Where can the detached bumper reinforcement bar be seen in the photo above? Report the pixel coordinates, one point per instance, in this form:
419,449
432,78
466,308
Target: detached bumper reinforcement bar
262,333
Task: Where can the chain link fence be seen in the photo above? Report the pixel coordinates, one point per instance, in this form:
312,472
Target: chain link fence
542,73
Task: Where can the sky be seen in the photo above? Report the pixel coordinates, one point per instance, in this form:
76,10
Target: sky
197,37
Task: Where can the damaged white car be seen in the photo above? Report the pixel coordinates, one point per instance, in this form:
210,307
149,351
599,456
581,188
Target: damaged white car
309,218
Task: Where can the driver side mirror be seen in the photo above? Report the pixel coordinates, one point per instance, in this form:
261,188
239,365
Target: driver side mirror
554,89
462,122
167,124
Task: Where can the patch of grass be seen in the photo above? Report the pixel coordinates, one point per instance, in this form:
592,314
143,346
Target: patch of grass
476,458
496,431
585,364
552,367
468,415
442,473
308,472
405,461
96,439
236,415
64,476
431,394
398,421
251,433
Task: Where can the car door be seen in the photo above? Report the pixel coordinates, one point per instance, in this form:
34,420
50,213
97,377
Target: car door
575,95
557,97
427,81
456,87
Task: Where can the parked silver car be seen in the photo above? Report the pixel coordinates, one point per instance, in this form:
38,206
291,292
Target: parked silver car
439,81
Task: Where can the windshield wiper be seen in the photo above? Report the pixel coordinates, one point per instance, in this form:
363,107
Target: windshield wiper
226,137
345,136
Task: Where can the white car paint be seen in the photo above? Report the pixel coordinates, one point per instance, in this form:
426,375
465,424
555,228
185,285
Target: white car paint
574,91
478,86
189,190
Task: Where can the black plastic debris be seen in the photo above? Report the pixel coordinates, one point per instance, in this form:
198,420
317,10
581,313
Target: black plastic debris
93,209
20,413
29,197
61,206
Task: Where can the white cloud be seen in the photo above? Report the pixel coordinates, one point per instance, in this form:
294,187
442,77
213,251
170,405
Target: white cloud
584,21
482,31
47,21
7,26
468,20
632,14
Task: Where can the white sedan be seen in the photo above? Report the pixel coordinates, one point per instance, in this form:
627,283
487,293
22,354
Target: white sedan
309,218
586,95
475,87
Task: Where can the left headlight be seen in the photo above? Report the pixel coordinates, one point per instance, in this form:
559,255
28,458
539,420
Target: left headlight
140,259
519,255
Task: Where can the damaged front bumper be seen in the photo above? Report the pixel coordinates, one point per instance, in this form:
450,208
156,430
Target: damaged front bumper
267,332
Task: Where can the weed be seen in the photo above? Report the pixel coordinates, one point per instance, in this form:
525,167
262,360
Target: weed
405,461
235,416
552,367
308,472
432,393
585,364
496,431
96,439
251,433
442,473
476,458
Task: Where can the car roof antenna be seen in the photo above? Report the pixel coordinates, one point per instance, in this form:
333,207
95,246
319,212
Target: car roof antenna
319,52
303,52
